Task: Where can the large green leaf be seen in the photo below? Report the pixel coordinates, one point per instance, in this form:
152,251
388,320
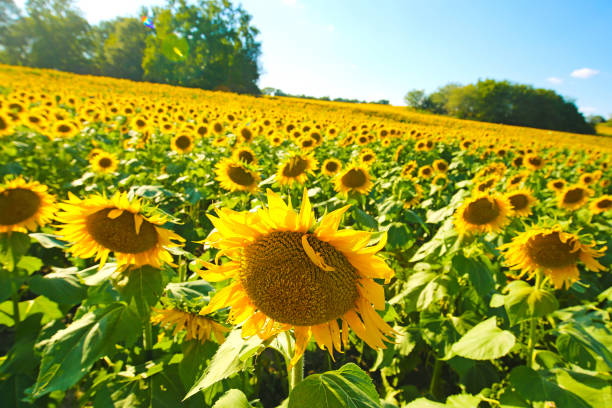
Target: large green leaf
479,275
233,399
485,341
12,247
63,287
72,351
524,301
232,357
143,288
347,387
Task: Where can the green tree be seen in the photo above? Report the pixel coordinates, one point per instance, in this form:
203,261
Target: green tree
416,98
222,48
123,48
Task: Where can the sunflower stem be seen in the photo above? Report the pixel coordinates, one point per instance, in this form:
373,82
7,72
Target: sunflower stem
147,340
533,323
16,314
296,375
435,379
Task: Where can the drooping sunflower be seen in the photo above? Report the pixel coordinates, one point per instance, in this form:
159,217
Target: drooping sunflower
556,185
355,178
104,162
289,273
574,197
182,143
552,251
234,175
6,124
245,155
601,204
197,327
331,167
296,168
24,206
98,226
483,213
521,201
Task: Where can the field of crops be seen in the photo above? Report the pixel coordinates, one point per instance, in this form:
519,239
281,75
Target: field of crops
168,247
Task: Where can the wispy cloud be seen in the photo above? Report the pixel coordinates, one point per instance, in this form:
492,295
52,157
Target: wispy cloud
584,73
554,80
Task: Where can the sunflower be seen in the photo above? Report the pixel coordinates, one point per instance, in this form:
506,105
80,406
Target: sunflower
245,135
64,129
587,179
331,167
197,327
425,172
24,206
556,185
6,125
486,184
574,197
182,143
440,165
483,213
521,201
603,203
306,143
440,180
552,251
296,169
286,273
245,155
234,175
534,162
398,152
355,178
103,162
367,156
408,169
98,226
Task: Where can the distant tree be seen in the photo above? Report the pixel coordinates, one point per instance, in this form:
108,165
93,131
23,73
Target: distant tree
595,119
438,100
122,48
416,99
222,50
382,102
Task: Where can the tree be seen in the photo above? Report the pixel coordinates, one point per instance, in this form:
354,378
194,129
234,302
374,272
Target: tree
416,99
123,49
222,51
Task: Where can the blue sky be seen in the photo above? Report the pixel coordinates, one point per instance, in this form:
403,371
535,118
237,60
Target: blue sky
380,50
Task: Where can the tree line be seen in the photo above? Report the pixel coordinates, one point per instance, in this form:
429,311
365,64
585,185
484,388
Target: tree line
277,92
503,102
208,44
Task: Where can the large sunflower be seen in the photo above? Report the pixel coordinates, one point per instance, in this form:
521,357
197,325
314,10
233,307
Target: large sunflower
103,162
296,169
521,201
24,206
286,273
602,204
552,251
234,175
197,327
354,178
574,197
98,226
483,213
244,154
182,143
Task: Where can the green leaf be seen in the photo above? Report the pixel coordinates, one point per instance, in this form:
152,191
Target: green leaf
232,399
479,275
232,357
8,282
30,264
462,401
584,338
524,301
364,218
63,287
411,289
72,351
12,247
192,290
397,235
347,387
485,341
48,240
142,287
424,403
95,275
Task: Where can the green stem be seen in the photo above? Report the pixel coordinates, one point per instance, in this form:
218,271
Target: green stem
182,269
16,315
147,341
435,380
296,375
533,323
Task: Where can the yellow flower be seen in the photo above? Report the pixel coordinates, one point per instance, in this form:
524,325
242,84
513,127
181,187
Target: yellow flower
367,156
331,167
603,203
103,162
552,251
98,226
64,129
440,166
233,175
198,327
483,213
574,197
245,155
355,178
182,143
534,162
521,201
296,169
286,273
24,206
6,125
556,185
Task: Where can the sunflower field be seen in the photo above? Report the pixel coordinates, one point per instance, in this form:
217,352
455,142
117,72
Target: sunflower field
173,247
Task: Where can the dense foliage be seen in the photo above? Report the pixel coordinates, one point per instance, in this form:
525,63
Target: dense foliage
204,44
503,102
495,267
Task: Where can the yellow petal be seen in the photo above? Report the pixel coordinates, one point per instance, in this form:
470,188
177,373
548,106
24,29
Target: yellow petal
138,219
112,214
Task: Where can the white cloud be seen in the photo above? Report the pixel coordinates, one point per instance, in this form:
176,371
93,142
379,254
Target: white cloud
587,110
584,73
554,80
